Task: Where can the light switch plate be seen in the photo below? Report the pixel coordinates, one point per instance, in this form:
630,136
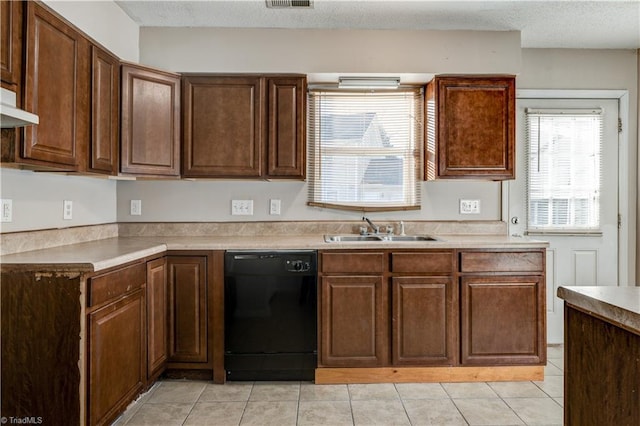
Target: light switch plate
6,214
469,206
274,207
242,207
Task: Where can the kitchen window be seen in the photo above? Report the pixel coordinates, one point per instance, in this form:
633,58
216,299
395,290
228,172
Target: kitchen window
564,170
365,148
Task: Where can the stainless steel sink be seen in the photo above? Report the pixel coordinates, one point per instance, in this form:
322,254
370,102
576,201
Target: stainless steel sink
376,237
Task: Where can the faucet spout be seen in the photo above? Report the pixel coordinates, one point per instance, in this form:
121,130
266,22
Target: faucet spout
375,228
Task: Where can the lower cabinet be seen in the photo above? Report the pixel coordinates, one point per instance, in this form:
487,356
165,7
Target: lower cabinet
116,342
157,324
189,305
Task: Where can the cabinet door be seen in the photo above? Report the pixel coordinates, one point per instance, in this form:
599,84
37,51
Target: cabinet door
11,13
188,309
105,112
156,317
286,115
150,122
424,321
354,322
57,90
502,320
116,357
223,126
471,127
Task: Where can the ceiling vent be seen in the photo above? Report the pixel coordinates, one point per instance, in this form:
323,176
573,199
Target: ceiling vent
289,4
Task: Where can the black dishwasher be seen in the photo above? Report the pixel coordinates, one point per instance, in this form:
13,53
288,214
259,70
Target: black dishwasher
270,315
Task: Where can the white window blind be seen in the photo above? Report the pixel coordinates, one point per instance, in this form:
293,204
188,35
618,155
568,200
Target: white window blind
564,170
365,149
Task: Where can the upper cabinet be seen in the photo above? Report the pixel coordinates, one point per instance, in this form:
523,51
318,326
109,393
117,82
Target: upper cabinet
105,112
150,127
56,88
470,127
244,126
11,18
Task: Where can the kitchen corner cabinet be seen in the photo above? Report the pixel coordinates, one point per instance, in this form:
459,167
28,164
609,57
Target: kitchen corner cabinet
11,16
116,341
150,122
105,112
244,126
470,127
157,323
56,88
502,307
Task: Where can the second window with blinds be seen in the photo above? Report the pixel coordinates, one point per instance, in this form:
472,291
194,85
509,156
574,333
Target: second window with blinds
365,148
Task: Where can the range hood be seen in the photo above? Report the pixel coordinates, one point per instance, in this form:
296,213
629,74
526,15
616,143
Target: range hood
12,116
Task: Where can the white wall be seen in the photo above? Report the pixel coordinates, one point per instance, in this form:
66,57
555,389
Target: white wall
37,197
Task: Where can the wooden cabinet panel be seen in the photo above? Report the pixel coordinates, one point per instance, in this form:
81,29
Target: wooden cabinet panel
57,89
223,126
354,322
116,357
287,120
502,320
188,309
507,261
105,112
423,262
11,15
150,127
157,302
111,285
424,325
352,262
471,127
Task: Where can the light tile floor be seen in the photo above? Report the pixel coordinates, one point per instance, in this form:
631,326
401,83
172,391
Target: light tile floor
305,404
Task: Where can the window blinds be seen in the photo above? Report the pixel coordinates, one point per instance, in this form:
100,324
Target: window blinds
564,170
365,149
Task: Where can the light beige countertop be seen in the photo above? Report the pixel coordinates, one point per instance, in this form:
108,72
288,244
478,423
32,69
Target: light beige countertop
106,253
618,305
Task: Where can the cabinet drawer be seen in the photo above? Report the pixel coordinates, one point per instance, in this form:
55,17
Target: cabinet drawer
115,284
361,263
520,261
440,262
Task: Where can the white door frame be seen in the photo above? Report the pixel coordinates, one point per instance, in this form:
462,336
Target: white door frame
627,162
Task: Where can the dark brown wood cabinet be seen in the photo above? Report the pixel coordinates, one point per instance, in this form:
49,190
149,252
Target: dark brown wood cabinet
157,323
57,90
424,308
105,112
502,308
244,126
150,121
470,130
116,333
11,38
188,311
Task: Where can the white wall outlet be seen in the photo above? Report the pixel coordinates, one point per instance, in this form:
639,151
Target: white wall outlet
136,208
469,206
6,214
67,210
242,207
274,206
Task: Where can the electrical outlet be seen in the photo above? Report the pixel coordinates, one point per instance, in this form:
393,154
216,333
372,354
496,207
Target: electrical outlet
67,210
136,208
274,206
469,206
242,207
6,214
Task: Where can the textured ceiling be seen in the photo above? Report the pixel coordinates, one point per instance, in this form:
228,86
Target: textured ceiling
544,24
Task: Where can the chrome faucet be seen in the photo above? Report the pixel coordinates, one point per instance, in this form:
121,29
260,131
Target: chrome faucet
375,228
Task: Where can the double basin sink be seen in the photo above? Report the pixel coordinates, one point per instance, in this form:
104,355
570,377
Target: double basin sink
377,237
